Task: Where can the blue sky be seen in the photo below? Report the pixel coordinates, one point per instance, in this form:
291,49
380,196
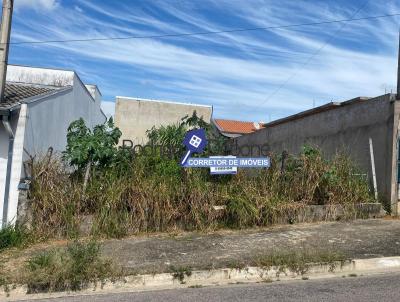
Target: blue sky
237,73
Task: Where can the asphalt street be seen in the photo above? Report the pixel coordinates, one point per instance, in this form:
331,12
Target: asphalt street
357,288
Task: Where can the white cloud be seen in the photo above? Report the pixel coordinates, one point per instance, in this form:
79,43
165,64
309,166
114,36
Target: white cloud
78,9
36,4
234,71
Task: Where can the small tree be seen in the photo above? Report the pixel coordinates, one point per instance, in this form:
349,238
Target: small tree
86,148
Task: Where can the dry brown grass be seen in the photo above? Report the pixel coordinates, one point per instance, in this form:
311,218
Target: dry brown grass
156,195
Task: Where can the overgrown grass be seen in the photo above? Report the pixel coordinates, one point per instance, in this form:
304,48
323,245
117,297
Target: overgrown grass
156,194
55,198
13,236
72,268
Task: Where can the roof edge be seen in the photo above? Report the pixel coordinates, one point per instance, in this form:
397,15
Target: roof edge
35,99
326,107
222,129
42,67
230,132
305,113
213,121
223,119
162,101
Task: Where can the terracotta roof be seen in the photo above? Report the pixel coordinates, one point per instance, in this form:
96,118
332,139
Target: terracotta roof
15,93
239,127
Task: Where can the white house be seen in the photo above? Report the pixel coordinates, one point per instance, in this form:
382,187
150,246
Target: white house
39,105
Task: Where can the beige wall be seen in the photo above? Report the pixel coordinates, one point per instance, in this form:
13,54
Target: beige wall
135,116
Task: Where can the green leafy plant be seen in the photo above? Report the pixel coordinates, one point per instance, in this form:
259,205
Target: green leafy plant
87,148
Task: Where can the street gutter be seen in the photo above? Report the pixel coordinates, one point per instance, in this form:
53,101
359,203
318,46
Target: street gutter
216,277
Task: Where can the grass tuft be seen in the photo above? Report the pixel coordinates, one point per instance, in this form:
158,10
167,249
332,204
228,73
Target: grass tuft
13,236
180,272
299,262
73,268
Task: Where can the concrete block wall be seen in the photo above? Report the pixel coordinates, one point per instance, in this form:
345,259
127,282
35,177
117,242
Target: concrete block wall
345,127
135,116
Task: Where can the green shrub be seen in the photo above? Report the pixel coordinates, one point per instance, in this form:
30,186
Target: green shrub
13,236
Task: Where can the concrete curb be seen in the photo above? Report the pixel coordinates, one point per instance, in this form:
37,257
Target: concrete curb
221,277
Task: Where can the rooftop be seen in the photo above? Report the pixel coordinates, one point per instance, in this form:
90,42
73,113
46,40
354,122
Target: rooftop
18,93
239,127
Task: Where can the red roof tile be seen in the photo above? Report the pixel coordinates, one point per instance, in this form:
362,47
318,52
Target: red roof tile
240,127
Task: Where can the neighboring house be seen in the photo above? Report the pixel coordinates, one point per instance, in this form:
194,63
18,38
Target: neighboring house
353,127
134,116
231,128
39,106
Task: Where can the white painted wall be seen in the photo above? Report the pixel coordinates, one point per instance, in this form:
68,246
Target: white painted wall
36,75
94,92
4,141
3,166
17,163
48,119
